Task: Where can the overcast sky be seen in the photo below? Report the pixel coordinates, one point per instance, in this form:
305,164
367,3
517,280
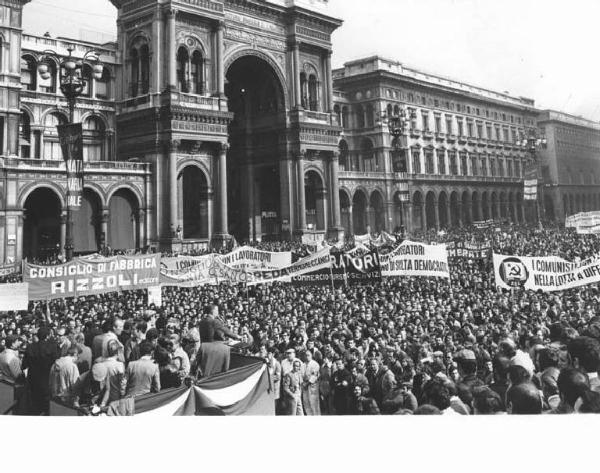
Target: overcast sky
543,49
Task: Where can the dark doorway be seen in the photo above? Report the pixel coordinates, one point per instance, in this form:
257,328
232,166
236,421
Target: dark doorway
41,233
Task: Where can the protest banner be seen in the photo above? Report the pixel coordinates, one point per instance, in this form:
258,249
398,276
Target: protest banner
362,239
460,249
483,224
548,274
71,142
251,258
222,272
9,269
530,182
82,277
416,259
346,269
186,271
585,223
14,297
155,295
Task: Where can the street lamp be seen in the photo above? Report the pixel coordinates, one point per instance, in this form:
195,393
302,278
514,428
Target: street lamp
396,122
531,142
72,84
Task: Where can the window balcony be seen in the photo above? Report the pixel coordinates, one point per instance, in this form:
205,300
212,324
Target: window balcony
462,140
451,138
414,133
428,134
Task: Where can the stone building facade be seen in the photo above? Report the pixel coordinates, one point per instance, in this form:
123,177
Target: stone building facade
213,118
459,160
570,164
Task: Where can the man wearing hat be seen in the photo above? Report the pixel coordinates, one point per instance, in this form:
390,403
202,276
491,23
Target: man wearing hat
467,369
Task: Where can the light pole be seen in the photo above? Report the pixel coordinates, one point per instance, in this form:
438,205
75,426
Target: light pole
531,141
396,122
72,84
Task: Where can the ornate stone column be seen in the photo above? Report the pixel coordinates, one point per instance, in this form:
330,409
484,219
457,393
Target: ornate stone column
296,68
328,82
436,211
423,217
337,230
300,192
104,228
210,199
448,215
172,47
141,228
220,64
173,147
63,232
222,229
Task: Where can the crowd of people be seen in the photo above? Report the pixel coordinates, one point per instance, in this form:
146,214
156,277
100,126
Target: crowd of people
402,346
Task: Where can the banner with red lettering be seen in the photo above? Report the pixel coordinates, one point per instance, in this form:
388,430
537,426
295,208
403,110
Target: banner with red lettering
85,276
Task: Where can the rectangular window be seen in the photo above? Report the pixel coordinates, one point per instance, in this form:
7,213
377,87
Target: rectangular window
441,162
425,118
506,137
470,129
413,118
498,138
429,163
474,169
449,127
479,131
517,168
460,128
509,169
438,124
453,164
488,130
500,167
492,167
483,166
416,158
463,164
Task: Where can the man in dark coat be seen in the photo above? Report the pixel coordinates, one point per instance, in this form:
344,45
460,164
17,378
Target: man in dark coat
39,358
342,388
214,354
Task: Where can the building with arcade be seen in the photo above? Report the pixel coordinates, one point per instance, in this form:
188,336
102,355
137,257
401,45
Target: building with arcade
212,119
459,161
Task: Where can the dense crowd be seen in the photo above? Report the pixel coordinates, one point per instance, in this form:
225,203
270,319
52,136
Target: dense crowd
402,346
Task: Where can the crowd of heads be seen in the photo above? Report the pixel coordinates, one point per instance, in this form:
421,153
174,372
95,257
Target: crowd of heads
402,346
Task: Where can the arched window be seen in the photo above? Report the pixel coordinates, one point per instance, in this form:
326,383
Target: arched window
390,110
49,85
343,149
51,144
145,69
360,116
135,72
25,135
338,113
88,77
183,61
103,85
367,153
28,73
93,139
304,90
313,93
198,86
370,116
344,121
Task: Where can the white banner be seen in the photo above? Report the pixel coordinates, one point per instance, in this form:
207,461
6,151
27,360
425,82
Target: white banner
314,262
155,296
416,259
246,257
548,274
585,223
14,296
186,271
